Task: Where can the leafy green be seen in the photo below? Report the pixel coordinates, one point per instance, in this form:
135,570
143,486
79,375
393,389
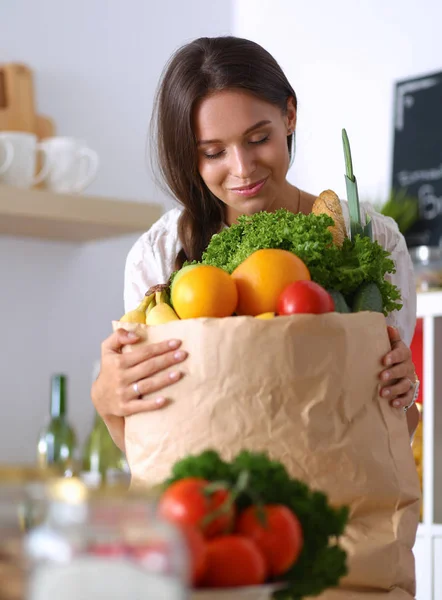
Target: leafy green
305,235
343,269
322,561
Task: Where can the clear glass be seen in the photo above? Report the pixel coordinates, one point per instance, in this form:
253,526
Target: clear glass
22,506
105,546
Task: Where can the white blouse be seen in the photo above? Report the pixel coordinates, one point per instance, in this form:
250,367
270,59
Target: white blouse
151,261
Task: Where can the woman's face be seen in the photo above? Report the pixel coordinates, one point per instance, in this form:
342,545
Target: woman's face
242,151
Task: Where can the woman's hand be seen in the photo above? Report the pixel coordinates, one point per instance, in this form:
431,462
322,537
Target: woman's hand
399,377
125,377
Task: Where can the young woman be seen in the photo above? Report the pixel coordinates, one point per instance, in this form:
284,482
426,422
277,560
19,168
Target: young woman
224,130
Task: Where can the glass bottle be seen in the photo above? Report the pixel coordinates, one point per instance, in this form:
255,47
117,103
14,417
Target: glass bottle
103,463
57,444
104,545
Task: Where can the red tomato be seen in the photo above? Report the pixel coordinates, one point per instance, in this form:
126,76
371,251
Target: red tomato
233,560
280,540
186,503
197,548
304,297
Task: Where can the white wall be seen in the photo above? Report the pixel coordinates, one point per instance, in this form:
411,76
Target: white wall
342,58
96,66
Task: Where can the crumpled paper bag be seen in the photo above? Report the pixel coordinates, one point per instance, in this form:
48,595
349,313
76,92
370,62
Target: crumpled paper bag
304,389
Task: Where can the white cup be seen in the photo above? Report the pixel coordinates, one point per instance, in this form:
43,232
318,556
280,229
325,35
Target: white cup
73,165
21,170
6,155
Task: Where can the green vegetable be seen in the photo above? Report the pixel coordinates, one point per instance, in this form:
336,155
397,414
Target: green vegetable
368,297
343,269
356,226
341,305
322,561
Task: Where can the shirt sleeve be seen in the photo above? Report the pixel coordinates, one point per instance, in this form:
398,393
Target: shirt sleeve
151,259
386,232
140,273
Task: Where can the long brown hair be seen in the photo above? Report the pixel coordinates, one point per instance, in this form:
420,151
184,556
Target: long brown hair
195,70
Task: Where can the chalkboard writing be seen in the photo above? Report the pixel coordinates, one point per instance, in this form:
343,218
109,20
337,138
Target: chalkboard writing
417,153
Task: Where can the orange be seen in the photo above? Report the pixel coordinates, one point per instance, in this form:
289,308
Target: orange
204,291
262,277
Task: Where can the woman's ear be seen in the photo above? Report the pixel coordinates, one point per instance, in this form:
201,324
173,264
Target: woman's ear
291,115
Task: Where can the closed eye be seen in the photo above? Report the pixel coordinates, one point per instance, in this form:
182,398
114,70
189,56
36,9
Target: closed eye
261,141
221,152
216,155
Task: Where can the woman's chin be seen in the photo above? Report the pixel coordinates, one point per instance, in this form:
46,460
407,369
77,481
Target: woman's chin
252,206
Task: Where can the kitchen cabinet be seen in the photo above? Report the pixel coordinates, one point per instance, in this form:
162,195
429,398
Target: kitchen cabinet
437,564
428,547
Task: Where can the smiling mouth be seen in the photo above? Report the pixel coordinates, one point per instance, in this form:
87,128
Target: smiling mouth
250,190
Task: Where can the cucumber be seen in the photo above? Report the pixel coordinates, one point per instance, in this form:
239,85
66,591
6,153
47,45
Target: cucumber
368,297
341,305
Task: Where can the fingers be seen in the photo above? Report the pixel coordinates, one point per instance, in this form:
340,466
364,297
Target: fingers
146,352
400,370
148,371
397,379
130,403
400,387
138,406
154,365
400,353
117,340
393,334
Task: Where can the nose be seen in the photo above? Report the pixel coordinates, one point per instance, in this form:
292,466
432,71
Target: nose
242,163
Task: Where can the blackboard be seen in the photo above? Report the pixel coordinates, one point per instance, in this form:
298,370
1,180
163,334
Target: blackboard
417,153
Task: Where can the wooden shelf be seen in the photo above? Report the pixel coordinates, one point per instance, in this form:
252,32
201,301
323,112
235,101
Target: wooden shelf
45,215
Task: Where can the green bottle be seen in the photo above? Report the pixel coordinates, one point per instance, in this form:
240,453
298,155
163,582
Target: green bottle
103,463
57,443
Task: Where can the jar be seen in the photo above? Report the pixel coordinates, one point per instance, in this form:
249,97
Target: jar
427,262
104,545
22,506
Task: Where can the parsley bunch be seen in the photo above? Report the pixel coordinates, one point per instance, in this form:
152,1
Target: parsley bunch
322,561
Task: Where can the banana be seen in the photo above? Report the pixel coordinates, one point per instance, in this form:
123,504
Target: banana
151,304
161,312
138,315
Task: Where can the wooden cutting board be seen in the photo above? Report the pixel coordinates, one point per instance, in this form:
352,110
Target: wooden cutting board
17,108
44,127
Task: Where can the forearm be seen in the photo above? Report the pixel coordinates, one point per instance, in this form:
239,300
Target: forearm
412,420
114,423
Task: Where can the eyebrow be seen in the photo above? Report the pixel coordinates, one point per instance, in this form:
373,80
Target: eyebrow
248,130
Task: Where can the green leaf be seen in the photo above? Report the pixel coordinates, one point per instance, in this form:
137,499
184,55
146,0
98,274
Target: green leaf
356,225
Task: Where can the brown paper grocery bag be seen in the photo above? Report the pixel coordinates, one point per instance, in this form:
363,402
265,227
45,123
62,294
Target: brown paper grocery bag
304,389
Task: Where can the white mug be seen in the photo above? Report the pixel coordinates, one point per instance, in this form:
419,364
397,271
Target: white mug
73,165
6,155
21,171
